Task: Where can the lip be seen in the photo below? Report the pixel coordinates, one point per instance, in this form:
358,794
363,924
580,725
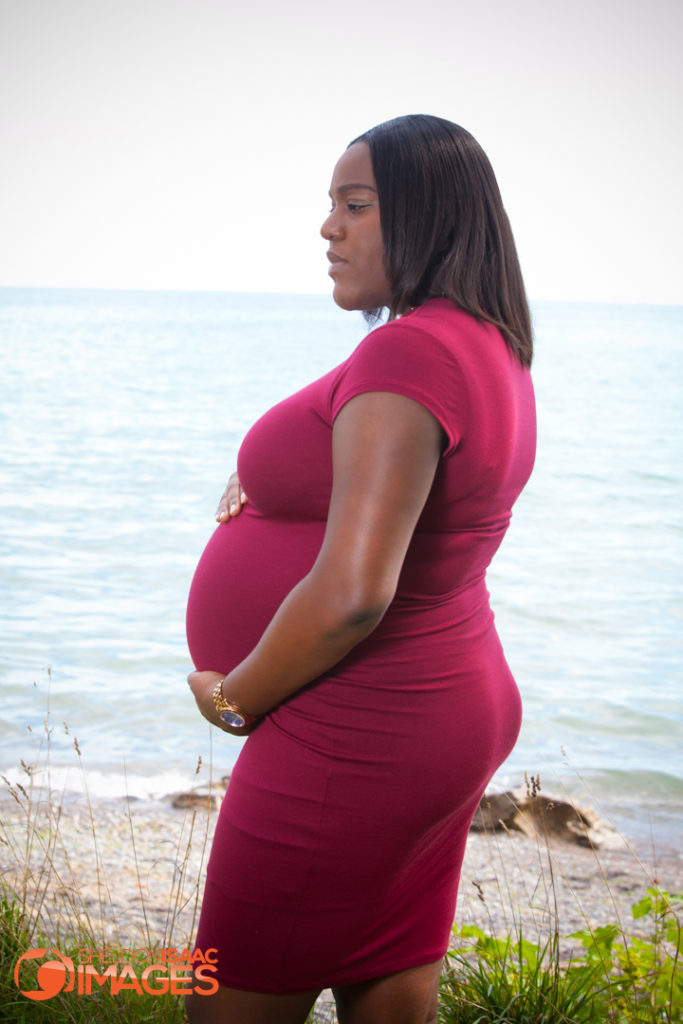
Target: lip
334,258
336,262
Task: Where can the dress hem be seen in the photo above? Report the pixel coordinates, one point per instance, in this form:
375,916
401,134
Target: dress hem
339,981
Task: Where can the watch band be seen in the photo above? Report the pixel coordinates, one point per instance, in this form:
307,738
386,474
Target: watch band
229,712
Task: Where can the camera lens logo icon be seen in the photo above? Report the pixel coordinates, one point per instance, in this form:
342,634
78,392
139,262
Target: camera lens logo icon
52,976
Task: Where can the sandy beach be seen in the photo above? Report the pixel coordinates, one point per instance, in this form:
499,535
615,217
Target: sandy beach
133,870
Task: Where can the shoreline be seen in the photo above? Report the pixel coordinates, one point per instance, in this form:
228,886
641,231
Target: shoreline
644,816
637,807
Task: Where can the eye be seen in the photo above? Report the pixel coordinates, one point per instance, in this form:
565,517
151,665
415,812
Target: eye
357,207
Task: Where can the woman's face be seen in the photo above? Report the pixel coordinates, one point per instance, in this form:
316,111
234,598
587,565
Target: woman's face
353,231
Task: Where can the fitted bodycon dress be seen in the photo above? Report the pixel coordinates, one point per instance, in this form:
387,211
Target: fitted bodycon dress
338,848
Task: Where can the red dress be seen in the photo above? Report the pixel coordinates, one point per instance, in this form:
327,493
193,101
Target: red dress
338,848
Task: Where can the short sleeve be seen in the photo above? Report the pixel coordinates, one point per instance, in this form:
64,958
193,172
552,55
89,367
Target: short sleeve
408,360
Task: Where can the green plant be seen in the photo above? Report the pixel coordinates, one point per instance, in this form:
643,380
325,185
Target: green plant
642,979
67,1007
501,980
617,978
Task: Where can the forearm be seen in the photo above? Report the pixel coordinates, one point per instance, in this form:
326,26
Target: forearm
314,628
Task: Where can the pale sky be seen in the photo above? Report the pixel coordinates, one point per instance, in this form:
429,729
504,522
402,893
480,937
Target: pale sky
189,143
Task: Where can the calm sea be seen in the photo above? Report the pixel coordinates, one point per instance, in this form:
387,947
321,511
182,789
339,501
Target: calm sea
121,415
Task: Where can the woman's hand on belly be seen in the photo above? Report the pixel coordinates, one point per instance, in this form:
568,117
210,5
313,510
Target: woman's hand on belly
231,501
202,685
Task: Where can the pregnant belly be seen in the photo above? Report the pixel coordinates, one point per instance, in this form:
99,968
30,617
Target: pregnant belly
247,569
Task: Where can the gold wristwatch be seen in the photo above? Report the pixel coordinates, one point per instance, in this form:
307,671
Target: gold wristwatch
230,713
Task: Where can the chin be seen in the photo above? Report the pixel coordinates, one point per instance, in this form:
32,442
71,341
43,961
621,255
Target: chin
346,304
359,303
343,301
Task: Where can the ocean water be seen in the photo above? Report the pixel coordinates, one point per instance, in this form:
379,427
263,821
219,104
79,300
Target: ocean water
121,414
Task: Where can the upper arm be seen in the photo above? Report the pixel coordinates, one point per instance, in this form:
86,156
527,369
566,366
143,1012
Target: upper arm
386,449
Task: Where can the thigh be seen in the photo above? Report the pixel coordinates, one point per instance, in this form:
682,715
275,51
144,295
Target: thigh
233,1006
407,997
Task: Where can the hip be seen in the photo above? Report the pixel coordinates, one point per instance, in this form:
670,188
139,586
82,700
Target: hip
410,702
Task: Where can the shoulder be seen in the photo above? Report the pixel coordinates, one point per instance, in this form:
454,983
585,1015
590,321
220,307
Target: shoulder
410,348
417,356
434,339
437,330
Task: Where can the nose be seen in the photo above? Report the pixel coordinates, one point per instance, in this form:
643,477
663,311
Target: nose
330,227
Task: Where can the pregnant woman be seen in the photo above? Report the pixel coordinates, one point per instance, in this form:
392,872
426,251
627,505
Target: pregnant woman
339,615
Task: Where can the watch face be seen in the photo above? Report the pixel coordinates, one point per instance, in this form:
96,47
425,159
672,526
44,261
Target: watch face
233,719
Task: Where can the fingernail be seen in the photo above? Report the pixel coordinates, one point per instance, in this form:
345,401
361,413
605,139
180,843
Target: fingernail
233,508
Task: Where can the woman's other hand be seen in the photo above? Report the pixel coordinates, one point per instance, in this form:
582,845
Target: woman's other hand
232,500
202,685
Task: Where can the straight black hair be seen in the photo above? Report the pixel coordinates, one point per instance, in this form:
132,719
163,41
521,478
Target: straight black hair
445,231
